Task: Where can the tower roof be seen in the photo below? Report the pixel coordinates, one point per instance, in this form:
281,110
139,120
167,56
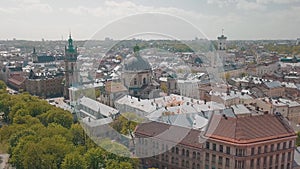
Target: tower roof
222,37
70,44
136,62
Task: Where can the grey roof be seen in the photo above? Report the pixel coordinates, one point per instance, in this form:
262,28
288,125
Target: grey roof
98,107
273,84
136,63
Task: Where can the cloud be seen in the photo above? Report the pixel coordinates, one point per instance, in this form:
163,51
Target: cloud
277,1
27,6
239,4
222,3
247,5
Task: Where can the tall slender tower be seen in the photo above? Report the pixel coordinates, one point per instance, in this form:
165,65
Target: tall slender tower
222,41
71,73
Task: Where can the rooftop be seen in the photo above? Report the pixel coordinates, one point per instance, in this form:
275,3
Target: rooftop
248,129
98,107
166,132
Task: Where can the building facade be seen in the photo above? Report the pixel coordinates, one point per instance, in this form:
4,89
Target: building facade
251,142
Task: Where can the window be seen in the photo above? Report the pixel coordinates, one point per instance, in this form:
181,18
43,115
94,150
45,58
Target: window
214,147
252,163
183,152
266,149
265,161
227,162
177,150
198,156
284,145
278,146
213,158
134,81
259,150
283,157
221,148
272,147
187,153
227,150
144,81
207,156
290,144
182,163
187,164
258,162
194,154
220,160
289,156
252,151
271,160
207,145
277,158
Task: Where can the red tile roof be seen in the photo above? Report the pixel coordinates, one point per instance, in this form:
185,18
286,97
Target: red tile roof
249,129
17,79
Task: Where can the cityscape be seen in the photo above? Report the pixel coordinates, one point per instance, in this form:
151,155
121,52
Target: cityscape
140,93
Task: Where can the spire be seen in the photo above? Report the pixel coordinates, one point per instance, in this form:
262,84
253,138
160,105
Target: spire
70,42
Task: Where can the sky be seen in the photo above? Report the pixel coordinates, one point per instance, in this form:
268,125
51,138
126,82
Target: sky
240,19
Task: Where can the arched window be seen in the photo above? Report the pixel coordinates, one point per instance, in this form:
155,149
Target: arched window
144,80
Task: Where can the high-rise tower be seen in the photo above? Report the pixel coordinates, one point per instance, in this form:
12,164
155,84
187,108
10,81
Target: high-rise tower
71,73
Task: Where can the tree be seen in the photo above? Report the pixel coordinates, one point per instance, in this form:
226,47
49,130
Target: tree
95,158
78,135
2,85
227,76
74,161
164,87
113,164
126,123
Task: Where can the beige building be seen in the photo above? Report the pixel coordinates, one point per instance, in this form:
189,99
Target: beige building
288,108
249,142
254,142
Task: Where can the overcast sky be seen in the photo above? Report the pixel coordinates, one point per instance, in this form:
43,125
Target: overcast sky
241,19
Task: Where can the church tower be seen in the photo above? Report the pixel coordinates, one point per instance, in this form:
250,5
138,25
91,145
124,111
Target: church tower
71,73
222,41
34,56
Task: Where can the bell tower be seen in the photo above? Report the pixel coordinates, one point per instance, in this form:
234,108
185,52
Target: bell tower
71,73
222,41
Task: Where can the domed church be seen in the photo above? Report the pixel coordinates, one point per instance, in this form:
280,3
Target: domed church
137,76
